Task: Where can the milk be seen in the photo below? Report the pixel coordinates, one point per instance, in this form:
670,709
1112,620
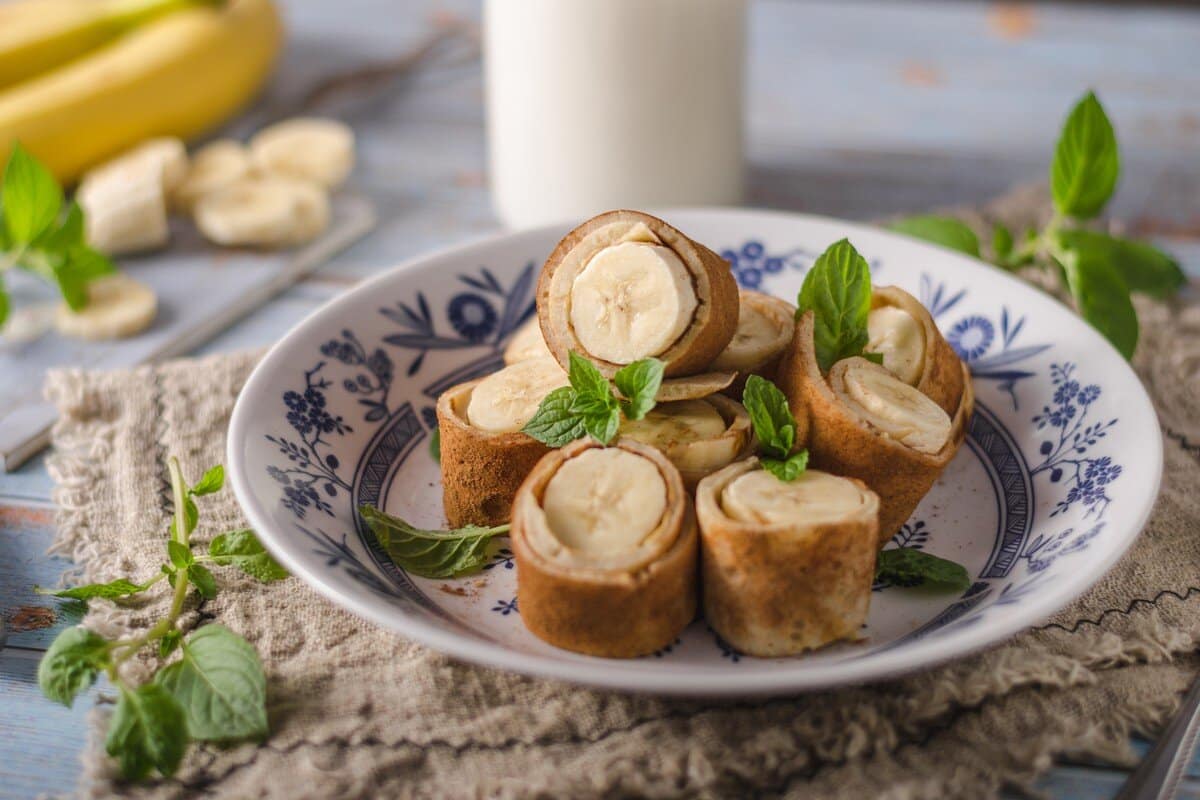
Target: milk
601,104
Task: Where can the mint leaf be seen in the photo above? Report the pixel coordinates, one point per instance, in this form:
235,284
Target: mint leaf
774,425
430,553
4,303
243,550
1143,267
68,233
32,197
1102,298
555,424
220,686
907,566
602,424
169,643
71,664
838,291
787,469
435,445
947,232
638,383
180,555
211,482
203,580
1086,163
585,378
1002,243
147,731
121,587
191,515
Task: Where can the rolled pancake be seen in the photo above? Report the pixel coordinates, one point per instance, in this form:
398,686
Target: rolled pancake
765,326
615,577
786,567
840,440
680,303
940,375
698,436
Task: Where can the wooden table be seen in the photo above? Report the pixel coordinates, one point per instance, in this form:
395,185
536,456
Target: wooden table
855,110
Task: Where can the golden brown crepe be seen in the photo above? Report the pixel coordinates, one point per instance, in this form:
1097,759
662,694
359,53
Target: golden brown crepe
713,290
588,582
841,440
765,327
786,567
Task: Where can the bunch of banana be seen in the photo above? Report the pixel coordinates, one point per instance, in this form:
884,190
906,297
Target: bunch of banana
83,80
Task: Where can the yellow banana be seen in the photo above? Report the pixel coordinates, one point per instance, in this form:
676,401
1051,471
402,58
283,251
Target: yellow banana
180,75
38,35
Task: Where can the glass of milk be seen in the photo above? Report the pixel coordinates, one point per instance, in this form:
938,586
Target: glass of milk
601,104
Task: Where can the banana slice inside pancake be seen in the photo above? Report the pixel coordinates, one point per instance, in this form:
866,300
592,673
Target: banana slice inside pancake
814,498
893,407
504,401
898,337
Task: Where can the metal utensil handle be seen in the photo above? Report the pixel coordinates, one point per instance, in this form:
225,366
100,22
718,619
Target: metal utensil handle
1157,777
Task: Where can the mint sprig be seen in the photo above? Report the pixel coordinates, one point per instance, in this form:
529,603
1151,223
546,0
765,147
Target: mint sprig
431,553
1099,270
589,406
216,691
774,428
908,566
837,289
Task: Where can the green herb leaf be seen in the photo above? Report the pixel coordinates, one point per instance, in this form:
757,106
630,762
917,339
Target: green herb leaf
121,587
32,197
435,445
147,731
946,231
68,233
907,566
838,290
180,555
169,643
787,469
430,553
1143,267
555,424
585,378
1086,163
1102,298
211,482
191,515
203,580
71,664
4,303
1002,243
243,550
601,414
220,685
774,425
638,383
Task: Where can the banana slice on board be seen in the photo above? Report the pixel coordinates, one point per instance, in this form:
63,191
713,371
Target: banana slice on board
786,567
214,166
164,155
263,212
309,148
118,306
125,206
697,436
605,544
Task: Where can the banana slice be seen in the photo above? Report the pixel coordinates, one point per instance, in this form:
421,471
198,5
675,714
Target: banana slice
812,499
672,424
604,501
898,337
765,326
165,156
125,206
309,148
527,342
263,212
893,407
214,166
632,300
505,401
118,306
697,436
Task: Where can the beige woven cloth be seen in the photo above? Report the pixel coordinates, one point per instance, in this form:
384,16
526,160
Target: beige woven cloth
357,712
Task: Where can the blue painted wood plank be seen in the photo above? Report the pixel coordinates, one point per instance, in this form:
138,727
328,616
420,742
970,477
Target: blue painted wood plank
1082,783
31,621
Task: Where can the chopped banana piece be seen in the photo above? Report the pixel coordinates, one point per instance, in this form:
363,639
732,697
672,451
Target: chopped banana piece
504,401
118,306
527,342
605,501
812,499
309,148
632,300
895,408
125,207
263,212
165,156
214,166
671,424
898,337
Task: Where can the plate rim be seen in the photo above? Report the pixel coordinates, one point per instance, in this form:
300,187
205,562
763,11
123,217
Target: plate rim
595,672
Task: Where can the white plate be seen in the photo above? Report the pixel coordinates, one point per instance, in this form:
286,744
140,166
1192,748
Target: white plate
1058,475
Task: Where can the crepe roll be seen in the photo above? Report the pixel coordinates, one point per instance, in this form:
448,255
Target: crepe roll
863,422
484,455
765,326
786,566
698,436
625,286
913,349
606,547
526,343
